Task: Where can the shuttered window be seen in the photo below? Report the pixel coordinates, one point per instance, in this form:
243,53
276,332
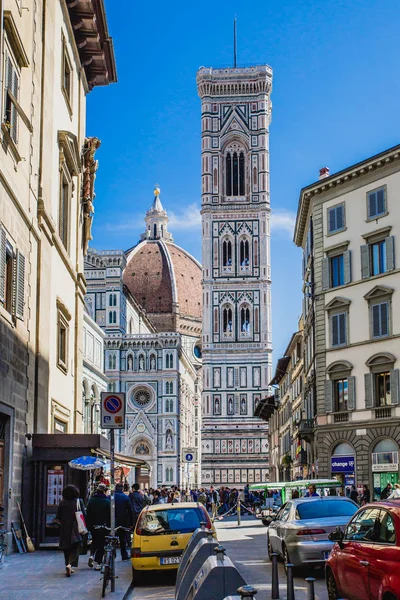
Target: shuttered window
10,112
19,286
380,319
377,257
64,210
376,203
336,218
2,264
338,329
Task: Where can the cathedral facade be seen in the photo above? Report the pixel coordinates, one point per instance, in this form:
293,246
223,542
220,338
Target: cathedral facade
236,112
147,300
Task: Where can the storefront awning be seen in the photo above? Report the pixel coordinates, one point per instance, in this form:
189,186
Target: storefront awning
121,459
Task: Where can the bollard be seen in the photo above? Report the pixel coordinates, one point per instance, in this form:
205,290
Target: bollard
220,552
290,583
310,588
275,581
238,514
247,591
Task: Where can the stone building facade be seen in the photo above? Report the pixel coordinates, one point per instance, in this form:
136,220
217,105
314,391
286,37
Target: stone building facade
49,67
147,301
348,227
236,113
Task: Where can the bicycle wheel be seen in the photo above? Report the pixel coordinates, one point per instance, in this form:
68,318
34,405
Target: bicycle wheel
112,571
106,577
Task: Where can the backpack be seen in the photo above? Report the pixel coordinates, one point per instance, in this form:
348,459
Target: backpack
202,498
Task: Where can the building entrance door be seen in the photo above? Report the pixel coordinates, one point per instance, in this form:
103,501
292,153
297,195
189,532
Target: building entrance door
2,465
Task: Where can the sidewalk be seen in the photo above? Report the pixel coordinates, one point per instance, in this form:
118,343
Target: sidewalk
40,576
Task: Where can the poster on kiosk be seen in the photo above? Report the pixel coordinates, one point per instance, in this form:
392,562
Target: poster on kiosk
112,413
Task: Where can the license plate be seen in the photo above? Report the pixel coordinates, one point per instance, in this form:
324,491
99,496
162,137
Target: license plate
170,560
326,555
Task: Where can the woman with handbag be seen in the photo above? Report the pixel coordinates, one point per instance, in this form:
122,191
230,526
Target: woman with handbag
70,516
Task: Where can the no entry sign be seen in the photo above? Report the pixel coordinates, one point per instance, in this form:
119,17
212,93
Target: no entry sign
112,414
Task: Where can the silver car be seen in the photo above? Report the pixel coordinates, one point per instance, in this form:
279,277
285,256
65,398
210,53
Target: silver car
299,531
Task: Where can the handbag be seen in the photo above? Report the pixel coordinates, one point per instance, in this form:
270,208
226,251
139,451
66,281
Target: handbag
80,519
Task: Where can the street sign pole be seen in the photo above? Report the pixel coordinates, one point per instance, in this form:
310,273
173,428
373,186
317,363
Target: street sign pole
112,468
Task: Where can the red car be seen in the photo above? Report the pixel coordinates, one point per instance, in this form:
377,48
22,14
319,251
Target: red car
364,564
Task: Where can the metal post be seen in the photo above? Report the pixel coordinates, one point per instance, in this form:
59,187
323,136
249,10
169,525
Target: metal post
290,583
310,588
239,522
275,581
234,43
112,467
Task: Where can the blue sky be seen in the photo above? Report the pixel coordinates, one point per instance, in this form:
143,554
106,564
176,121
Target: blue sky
335,101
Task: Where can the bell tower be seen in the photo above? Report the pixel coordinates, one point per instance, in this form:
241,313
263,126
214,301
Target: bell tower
236,113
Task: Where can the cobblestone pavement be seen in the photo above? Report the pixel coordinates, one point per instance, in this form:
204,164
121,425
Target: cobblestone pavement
246,546
41,576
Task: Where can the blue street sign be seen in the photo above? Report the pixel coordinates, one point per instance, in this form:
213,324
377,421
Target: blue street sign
342,464
189,457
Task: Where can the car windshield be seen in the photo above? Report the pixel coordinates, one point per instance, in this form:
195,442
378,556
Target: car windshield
173,520
325,508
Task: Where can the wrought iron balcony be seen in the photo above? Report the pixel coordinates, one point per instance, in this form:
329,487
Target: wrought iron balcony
306,429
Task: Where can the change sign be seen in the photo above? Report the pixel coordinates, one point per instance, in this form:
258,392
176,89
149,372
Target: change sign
112,413
342,464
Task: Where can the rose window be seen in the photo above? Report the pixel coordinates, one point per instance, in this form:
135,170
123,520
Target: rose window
142,398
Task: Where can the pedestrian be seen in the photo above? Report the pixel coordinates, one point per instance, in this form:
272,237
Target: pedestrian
137,501
295,494
396,492
202,497
70,538
385,493
354,494
214,501
366,496
98,515
156,497
123,518
312,491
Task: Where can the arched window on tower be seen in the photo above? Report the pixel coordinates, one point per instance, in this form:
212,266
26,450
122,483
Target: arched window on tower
235,174
155,230
241,174
244,253
245,319
227,321
226,253
228,174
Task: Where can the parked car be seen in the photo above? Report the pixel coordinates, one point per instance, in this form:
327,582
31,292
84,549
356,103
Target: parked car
299,531
162,533
364,562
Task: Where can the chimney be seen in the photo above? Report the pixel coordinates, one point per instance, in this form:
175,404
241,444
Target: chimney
324,172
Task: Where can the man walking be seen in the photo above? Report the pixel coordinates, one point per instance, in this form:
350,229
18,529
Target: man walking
123,518
214,502
97,514
136,499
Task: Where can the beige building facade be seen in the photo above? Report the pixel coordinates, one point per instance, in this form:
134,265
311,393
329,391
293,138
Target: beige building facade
348,225
46,174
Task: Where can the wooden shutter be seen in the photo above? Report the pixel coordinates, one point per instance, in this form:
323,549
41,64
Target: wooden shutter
389,253
351,393
342,328
347,266
394,387
2,264
339,217
369,390
329,396
325,274
335,330
20,286
14,115
365,272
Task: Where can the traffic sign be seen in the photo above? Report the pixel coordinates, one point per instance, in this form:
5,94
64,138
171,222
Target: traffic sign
112,410
189,455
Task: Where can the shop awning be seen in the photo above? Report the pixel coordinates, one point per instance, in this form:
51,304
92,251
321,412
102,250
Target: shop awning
121,459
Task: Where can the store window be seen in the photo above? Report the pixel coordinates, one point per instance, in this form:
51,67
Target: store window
385,466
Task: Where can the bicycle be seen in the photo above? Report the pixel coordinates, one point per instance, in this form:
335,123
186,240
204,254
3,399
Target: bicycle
110,554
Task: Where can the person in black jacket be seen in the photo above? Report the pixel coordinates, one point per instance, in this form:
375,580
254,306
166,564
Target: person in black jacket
70,538
123,518
136,499
98,512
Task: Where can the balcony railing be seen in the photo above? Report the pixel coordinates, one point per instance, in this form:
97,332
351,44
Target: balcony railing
306,428
383,412
340,417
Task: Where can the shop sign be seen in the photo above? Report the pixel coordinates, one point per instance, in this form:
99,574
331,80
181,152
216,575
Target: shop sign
342,464
385,468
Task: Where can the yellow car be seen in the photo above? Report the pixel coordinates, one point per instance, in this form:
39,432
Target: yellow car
162,533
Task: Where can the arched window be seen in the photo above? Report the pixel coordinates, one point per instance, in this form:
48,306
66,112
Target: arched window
245,319
169,361
110,315
112,362
241,174
228,174
227,319
227,253
155,230
235,174
244,253
114,316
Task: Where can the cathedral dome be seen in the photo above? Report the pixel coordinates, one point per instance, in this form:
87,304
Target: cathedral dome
163,278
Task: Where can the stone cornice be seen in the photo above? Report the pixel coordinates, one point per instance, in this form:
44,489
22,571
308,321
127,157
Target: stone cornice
341,178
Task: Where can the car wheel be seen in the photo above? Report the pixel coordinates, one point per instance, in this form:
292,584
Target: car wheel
265,522
333,592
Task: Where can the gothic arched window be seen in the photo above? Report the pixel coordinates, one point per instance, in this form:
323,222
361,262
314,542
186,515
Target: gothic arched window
227,319
227,253
155,230
235,174
112,362
245,319
244,253
228,174
241,174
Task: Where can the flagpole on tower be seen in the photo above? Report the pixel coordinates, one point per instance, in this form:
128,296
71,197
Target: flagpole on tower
234,43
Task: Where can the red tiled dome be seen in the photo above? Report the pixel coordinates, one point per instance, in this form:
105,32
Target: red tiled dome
166,281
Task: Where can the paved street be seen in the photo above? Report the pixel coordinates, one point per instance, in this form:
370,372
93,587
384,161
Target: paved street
246,546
